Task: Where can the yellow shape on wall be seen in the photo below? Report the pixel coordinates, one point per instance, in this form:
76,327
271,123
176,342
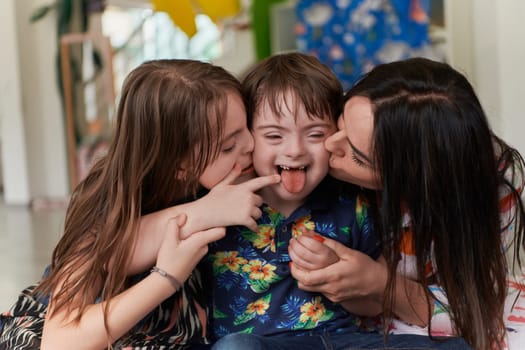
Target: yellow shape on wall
219,9
183,12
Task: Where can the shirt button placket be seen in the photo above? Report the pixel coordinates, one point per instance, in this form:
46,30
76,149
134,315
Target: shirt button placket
282,231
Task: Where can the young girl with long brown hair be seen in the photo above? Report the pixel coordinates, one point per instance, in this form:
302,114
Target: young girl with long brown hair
180,127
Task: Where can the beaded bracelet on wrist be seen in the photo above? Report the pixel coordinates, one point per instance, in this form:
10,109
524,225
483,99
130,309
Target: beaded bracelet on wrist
174,282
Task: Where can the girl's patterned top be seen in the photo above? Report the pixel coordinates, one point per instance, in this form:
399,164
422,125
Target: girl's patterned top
253,289
174,324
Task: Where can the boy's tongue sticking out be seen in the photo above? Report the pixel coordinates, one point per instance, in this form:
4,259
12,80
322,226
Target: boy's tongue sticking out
293,179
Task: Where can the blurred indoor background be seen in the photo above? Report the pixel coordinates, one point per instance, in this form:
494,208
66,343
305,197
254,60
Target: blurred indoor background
63,62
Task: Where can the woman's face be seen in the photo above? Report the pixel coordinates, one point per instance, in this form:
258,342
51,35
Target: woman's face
351,146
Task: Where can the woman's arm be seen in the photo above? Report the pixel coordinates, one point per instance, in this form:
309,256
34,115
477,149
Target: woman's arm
356,281
176,256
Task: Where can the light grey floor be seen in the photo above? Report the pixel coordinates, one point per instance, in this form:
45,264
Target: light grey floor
27,239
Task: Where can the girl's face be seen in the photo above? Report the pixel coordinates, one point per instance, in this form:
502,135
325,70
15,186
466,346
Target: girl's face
236,146
351,146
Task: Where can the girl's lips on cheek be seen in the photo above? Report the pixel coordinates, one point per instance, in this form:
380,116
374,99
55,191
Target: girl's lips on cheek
247,173
247,170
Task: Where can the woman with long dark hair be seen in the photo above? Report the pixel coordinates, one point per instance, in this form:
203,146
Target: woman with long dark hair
448,195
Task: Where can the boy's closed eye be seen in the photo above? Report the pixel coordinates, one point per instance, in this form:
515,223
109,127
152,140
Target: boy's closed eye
317,135
273,138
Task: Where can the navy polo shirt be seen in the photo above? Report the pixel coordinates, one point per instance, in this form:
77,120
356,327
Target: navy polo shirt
253,290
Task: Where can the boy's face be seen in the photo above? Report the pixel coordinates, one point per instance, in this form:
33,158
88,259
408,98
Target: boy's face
292,145
236,146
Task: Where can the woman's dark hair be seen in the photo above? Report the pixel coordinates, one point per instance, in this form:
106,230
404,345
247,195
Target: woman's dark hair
439,161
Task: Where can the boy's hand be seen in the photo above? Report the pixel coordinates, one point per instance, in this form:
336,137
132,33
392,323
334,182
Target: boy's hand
308,252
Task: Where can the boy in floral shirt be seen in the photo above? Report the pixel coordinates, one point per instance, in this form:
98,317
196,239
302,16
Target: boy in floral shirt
292,102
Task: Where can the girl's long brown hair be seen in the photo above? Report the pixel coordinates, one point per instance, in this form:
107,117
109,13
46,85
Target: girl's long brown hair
438,158
170,112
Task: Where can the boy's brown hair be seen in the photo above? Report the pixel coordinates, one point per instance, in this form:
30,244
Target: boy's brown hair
311,83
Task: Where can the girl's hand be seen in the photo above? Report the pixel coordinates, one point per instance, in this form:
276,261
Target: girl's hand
178,256
225,205
234,204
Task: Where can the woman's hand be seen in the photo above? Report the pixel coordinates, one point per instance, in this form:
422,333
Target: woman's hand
353,275
352,279
355,280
